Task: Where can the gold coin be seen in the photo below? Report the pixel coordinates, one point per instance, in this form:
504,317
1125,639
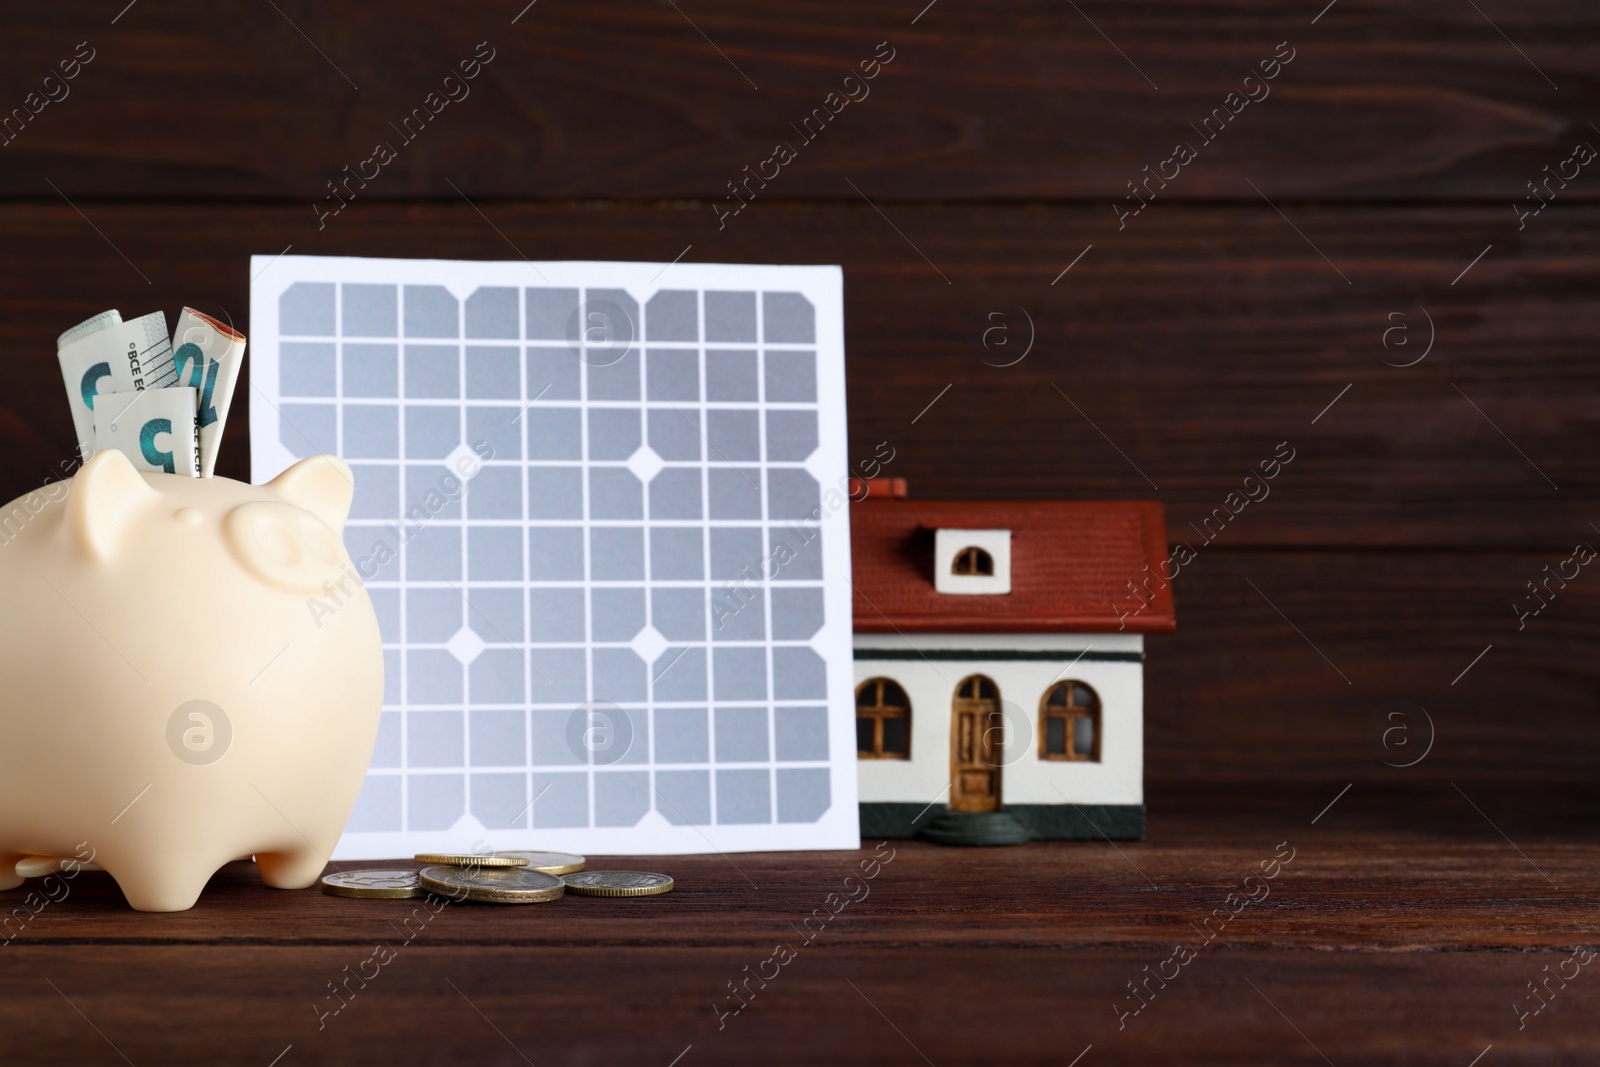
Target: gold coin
515,885
618,883
373,885
488,859
551,862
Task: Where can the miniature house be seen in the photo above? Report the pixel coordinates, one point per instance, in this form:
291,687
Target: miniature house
999,665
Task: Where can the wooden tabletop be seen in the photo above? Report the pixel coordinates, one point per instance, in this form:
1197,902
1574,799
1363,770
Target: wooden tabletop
1391,923
1376,262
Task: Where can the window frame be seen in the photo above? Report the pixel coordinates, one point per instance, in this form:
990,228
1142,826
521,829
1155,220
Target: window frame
878,712
1069,713
982,561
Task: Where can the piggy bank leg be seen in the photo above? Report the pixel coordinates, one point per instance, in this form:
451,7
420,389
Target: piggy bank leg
8,869
161,881
291,869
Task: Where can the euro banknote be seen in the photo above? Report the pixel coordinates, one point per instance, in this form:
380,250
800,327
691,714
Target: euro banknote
113,357
157,429
206,356
88,326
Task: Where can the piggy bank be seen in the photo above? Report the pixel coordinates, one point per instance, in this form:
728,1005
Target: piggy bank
190,673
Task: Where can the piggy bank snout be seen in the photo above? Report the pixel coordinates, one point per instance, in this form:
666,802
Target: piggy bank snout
284,546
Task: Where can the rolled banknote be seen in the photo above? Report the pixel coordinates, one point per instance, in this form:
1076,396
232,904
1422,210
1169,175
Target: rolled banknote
206,356
88,326
157,429
116,357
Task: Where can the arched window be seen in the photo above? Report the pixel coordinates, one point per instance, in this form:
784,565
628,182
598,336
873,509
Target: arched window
976,687
1069,723
972,561
883,720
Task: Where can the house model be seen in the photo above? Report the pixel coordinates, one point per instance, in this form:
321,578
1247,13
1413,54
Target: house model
999,665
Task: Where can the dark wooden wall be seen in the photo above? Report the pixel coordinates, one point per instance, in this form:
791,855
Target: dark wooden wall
1262,297
1173,356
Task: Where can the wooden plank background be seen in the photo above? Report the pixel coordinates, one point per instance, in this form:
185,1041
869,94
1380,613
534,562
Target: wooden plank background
1283,287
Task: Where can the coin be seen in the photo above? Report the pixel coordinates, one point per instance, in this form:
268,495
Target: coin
551,862
618,883
38,866
488,859
373,885
504,886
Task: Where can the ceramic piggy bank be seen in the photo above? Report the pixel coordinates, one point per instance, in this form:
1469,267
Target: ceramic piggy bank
190,673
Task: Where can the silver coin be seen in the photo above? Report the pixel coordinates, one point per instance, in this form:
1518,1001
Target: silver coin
39,866
374,884
550,862
618,883
498,885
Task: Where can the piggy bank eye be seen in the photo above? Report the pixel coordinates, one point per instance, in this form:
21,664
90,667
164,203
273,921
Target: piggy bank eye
283,545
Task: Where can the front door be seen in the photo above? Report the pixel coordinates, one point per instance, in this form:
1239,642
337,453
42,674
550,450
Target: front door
975,732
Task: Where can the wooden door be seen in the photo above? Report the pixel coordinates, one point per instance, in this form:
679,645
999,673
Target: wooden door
975,733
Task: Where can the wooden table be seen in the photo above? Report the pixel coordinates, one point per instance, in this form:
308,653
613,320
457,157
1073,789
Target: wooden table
980,194
1399,927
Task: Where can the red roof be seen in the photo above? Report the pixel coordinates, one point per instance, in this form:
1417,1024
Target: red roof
1071,565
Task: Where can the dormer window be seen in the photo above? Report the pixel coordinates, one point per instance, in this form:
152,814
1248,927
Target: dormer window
973,560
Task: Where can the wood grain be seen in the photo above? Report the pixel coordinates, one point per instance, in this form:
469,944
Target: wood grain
1291,665
978,195
1177,354
505,1005
1014,102
1357,880
1391,920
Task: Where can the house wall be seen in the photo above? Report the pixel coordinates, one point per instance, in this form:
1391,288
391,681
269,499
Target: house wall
930,684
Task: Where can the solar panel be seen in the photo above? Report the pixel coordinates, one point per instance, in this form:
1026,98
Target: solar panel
600,513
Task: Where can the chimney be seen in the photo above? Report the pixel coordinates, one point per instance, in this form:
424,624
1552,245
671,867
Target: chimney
881,488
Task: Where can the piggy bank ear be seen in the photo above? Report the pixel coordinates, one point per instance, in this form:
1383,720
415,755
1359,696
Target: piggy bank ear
105,492
323,485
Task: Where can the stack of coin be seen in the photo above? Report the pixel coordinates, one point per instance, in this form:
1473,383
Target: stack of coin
496,878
